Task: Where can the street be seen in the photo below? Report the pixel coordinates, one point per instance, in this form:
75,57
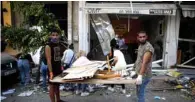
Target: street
103,95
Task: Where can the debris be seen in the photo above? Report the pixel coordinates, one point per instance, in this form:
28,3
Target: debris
3,97
163,98
26,93
128,95
179,86
183,80
32,80
174,74
157,97
81,61
65,93
10,91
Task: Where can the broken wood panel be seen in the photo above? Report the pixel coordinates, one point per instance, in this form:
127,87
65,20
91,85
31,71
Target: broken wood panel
59,79
82,72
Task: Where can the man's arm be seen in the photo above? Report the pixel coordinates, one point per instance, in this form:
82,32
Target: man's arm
48,57
146,59
115,60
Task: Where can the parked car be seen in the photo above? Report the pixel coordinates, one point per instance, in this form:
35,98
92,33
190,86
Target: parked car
9,71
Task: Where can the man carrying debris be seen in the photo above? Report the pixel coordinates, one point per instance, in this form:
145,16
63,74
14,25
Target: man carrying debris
143,64
119,62
52,52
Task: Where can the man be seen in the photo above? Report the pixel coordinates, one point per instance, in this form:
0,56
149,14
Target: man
44,68
119,62
123,47
52,52
143,64
24,68
68,57
121,42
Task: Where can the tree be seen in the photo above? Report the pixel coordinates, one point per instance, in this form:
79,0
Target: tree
23,38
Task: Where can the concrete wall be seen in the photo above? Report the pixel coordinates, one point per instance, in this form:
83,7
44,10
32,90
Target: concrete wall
75,33
171,40
69,28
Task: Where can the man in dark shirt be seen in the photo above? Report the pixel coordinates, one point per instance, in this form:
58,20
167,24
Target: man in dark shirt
143,65
52,52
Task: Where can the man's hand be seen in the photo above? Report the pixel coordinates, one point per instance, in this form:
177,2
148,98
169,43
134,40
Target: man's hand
139,80
51,75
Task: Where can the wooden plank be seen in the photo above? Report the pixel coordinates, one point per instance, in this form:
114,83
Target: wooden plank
59,79
186,66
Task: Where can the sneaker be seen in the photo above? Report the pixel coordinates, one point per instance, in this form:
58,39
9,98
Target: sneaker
77,92
45,90
84,94
111,89
124,91
91,89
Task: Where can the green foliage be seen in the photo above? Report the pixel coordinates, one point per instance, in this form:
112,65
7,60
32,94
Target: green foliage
23,39
34,14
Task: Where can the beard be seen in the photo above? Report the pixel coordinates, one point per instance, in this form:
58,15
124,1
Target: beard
142,43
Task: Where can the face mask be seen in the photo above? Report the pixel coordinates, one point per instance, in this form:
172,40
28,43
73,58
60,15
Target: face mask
54,40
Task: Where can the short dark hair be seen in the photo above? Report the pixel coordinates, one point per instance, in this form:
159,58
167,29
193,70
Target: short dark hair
142,32
54,30
71,46
113,44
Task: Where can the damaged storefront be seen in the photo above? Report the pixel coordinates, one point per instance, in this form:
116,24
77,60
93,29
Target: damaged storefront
101,22
186,44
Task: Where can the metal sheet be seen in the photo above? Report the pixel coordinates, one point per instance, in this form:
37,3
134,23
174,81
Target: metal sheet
104,30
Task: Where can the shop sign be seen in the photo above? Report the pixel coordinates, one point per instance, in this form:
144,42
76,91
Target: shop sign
161,11
129,11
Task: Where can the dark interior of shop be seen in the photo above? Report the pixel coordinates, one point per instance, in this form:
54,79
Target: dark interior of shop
59,9
187,49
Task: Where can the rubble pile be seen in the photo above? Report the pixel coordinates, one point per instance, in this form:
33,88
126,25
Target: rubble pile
184,79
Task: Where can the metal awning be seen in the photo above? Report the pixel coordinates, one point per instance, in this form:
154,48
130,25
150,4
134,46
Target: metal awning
126,8
188,10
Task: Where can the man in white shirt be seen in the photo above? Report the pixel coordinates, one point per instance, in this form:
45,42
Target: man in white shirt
68,57
119,62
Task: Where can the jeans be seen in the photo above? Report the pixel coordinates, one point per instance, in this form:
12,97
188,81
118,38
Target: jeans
141,89
24,68
44,74
82,87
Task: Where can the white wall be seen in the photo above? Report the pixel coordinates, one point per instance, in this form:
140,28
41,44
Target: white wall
83,23
70,22
171,40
